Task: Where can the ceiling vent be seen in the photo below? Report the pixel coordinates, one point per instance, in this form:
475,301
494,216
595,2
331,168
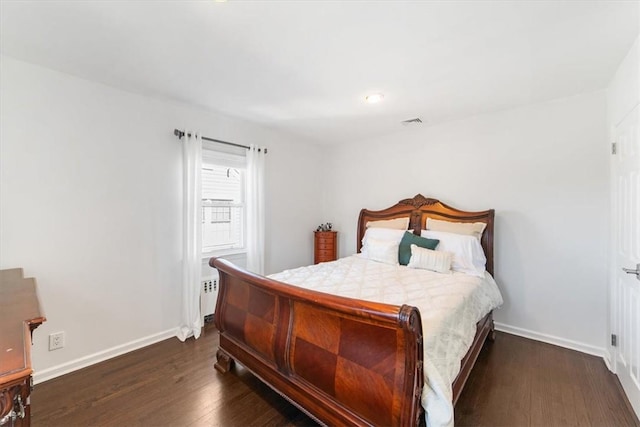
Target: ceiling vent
411,122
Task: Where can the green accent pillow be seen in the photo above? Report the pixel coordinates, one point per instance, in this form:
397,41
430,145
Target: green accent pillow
404,253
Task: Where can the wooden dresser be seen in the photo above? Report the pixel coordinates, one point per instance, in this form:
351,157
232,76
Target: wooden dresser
20,314
325,246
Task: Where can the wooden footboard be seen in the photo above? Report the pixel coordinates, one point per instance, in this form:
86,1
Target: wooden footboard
342,361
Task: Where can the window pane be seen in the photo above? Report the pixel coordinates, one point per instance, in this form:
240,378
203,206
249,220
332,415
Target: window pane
222,227
222,207
222,183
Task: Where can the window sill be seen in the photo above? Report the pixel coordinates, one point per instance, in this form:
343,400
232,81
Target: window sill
225,253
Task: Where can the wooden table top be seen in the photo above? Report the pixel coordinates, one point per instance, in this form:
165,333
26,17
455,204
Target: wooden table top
19,314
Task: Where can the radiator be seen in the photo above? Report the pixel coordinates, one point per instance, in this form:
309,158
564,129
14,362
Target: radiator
208,297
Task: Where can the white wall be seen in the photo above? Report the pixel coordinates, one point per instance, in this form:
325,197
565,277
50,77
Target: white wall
623,93
543,168
90,205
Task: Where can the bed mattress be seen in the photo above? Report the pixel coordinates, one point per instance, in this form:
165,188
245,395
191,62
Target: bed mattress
450,306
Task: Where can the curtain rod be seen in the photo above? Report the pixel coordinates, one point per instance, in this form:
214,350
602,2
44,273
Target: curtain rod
180,134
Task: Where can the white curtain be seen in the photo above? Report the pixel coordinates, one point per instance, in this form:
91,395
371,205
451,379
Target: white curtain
191,321
255,209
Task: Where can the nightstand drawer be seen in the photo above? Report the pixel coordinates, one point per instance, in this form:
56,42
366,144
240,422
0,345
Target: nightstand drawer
325,245
324,253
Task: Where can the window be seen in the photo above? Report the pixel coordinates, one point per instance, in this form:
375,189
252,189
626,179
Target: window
223,201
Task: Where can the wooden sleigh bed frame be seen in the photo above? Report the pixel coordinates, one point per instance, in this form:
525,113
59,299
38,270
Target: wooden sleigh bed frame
340,360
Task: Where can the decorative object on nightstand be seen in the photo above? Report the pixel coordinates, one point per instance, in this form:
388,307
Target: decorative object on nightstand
325,246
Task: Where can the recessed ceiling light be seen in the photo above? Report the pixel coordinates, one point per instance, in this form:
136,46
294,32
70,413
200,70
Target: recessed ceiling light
374,98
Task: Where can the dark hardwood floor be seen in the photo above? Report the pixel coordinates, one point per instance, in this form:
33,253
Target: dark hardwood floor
521,382
516,382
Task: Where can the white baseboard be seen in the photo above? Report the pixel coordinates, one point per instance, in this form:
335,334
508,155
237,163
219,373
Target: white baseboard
608,360
550,339
92,359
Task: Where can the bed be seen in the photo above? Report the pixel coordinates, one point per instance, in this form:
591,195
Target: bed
342,360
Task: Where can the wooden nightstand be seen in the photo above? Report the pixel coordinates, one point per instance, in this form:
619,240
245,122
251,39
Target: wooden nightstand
325,247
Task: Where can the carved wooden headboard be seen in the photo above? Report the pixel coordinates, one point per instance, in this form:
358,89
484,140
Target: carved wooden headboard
419,208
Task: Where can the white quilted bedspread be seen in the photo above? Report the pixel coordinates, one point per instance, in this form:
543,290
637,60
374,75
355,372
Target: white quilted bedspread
450,305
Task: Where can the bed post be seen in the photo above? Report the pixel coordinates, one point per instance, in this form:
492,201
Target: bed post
492,330
411,321
224,362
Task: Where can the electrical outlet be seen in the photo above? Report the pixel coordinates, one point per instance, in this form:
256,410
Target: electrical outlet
56,341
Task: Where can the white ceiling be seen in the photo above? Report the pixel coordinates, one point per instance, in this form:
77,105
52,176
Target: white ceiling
305,67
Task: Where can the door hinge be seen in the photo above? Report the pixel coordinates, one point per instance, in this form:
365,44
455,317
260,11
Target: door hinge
614,148
614,340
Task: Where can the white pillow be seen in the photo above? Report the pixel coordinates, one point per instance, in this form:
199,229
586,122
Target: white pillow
468,256
396,223
428,259
383,251
468,228
385,234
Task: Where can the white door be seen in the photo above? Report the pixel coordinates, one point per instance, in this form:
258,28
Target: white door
626,229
